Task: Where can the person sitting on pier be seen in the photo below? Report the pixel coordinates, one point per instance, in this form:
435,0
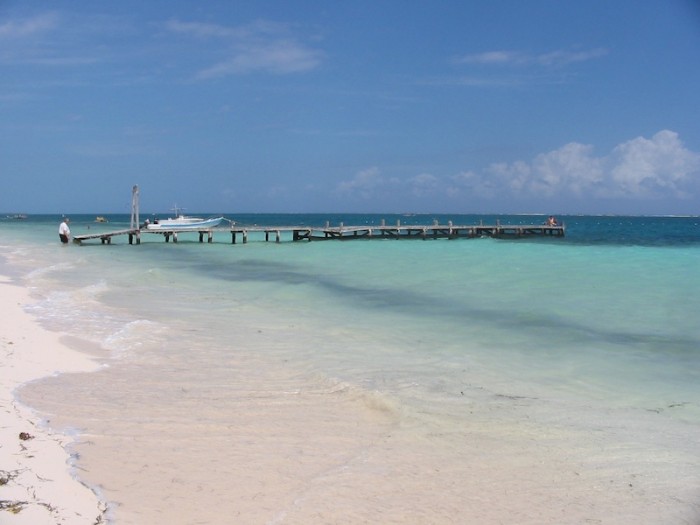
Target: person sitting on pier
552,221
64,230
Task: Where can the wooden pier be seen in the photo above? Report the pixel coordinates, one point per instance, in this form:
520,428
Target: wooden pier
106,237
242,234
434,231
328,232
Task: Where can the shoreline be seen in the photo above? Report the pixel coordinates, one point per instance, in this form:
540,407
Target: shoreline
37,482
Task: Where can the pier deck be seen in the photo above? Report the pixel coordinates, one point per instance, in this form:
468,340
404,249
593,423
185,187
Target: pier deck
435,231
106,237
341,232
317,233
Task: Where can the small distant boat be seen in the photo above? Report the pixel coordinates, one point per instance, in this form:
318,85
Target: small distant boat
18,216
99,218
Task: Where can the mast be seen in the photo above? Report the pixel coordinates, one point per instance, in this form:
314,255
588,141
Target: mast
135,222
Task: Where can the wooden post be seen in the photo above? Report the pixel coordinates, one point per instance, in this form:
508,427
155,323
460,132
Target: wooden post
277,238
174,236
233,237
245,236
201,236
135,223
210,237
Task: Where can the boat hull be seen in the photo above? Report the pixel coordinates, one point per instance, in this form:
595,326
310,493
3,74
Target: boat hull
185,224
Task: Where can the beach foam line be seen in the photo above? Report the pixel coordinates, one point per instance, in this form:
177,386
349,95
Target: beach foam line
36,483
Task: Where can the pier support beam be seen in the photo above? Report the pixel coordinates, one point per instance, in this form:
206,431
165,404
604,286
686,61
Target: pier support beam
210,236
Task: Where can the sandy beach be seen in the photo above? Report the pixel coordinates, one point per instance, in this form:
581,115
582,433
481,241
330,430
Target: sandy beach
36,482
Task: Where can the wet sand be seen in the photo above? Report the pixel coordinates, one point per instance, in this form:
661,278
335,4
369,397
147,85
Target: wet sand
37,485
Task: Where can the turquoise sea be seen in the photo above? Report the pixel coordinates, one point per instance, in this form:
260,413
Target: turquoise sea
480,380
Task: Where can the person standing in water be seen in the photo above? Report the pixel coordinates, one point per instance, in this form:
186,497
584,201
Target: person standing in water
64,230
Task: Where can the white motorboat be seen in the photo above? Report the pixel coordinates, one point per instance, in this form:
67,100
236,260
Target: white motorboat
183,222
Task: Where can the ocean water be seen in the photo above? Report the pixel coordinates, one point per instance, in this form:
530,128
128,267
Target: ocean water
465,381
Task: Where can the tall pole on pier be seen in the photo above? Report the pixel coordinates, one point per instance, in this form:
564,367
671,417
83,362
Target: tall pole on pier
135,222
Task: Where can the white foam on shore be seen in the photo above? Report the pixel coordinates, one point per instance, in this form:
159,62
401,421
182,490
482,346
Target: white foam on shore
38,486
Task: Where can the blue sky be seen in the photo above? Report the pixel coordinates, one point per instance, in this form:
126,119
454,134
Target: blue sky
505,106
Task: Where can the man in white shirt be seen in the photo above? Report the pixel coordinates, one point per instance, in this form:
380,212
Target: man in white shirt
64,230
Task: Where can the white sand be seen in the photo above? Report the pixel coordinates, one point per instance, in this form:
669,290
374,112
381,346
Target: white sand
36,484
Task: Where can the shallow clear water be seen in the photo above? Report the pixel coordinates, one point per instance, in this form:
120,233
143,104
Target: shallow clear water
539,380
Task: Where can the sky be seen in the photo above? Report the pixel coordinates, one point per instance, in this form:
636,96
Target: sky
369,106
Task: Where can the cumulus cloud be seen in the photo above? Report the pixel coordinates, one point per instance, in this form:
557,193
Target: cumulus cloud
572,167
655,168
261,46
366,183
423,184
641,167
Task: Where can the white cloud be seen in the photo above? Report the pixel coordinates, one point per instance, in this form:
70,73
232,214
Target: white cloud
516,174
562,58
280,57
641,167
469,184
29,26
656,167
367,183
262,46
492,57
64,40
559,57
423,184
201,30
570,168
365,179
